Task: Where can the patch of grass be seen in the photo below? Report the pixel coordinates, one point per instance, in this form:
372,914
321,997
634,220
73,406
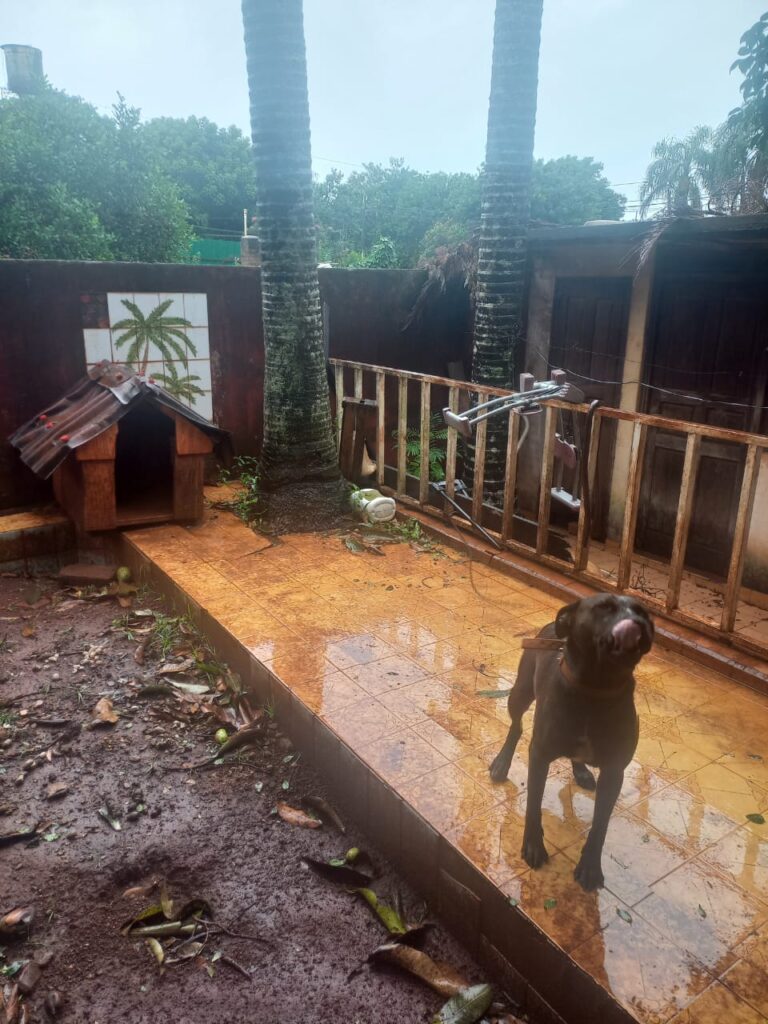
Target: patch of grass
7,718
245,470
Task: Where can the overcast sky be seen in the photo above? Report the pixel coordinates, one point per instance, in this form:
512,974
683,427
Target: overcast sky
410,78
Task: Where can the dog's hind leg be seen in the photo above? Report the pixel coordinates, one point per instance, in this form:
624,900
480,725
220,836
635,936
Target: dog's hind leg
520,699
583,775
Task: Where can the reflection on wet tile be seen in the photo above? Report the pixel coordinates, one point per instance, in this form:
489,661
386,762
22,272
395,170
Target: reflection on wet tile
634,858
377,677
460,730
728,792
744,856
689,822
556,902
331,692
493,840
704,912
718,1005
357,650
646,972
401,757
363,722
446,797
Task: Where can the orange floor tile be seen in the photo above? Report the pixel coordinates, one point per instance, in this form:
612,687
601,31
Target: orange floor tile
393,653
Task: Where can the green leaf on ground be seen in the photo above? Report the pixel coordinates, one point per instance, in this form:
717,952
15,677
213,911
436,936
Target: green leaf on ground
466,1006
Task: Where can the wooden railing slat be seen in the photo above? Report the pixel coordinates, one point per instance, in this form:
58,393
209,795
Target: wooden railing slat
740,537
581,553
478,480
381,394
424,442
402,430
547,467
450,449
634,479
684,514
510,476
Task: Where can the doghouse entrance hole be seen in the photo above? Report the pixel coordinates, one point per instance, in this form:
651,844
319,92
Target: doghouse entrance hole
144,466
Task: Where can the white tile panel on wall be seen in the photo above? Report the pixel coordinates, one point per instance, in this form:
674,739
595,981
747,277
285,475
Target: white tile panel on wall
98,344
196,308
117,310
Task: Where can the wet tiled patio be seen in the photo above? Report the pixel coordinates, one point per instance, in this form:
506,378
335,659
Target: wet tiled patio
386,658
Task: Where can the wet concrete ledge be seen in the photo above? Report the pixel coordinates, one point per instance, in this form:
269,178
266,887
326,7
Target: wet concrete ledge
537,974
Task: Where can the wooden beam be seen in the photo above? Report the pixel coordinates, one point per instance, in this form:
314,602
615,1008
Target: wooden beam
450,450
740,536
402,430
478,480
381,391
426,412
338,375
682,526
581,553
547,466
634,479
510,476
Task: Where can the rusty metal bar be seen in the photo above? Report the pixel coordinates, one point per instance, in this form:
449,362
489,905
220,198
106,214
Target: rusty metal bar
478,481
510,476
740,536
582,540
684,513
402,430
450,451
634,478
426,398
381,392
547,465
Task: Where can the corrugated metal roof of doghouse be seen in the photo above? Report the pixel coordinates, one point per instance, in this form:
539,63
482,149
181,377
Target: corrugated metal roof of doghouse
96,402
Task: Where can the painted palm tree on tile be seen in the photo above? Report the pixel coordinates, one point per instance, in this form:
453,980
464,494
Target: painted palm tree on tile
505,210
299,442
168,336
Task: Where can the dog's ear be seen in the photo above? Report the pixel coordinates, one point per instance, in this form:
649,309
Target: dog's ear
564,620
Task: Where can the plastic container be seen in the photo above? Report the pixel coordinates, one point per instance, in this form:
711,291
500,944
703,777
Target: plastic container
373,505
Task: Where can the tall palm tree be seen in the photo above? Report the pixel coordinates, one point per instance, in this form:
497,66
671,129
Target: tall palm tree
677,173
505,210
299,442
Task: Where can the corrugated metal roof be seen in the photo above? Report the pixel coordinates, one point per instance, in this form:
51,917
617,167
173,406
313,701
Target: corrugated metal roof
96,402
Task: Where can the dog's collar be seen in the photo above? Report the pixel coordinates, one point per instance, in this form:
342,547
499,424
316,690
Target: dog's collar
542,643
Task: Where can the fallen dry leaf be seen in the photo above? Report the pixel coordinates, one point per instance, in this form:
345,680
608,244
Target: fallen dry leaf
293,816
440,976
56,791
104,711
28,631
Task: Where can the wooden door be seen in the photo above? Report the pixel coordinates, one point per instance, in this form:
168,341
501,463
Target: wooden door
588,340
708,341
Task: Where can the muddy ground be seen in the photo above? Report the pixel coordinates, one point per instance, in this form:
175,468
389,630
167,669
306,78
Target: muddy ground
210,834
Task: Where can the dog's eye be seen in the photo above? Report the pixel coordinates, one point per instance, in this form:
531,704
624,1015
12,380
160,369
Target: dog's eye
608,603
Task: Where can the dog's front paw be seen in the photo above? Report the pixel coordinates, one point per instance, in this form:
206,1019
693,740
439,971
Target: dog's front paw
534,852
589,874
499,769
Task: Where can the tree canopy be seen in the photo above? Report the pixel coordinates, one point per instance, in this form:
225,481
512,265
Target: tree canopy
418,212
77,185
725,169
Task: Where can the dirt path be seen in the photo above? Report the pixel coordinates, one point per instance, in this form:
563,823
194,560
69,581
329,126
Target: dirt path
210,834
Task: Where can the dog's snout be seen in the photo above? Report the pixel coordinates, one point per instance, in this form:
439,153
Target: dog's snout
627,635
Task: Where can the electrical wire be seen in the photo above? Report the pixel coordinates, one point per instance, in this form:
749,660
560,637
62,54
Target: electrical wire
654,387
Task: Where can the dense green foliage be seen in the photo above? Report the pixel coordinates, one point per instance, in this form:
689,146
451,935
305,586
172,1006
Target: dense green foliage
721,170
418,212
77,185
212,167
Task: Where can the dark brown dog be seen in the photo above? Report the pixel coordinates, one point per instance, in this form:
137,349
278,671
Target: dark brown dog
585,710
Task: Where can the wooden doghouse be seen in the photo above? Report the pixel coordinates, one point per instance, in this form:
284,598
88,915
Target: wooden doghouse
121,450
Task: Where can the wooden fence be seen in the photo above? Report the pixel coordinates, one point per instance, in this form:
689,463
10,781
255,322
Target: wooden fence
391,390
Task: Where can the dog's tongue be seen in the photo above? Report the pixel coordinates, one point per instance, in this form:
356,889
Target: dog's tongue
626,635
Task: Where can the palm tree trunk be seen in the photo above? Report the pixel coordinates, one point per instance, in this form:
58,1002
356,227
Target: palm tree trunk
299,441
505,212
